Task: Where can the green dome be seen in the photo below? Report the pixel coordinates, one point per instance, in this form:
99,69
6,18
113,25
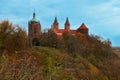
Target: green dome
34,19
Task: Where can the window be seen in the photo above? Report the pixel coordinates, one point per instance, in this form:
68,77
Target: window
35,30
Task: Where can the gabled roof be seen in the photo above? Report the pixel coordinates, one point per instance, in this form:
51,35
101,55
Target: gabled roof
83,26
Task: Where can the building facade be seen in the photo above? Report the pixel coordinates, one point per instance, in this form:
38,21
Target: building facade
34,30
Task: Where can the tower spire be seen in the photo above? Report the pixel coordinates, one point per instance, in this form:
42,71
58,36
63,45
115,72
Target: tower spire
67,21
67,24
34,14
55,21
34,18
55,24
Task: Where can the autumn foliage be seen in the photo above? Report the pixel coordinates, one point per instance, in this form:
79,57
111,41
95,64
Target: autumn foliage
12,37
71,57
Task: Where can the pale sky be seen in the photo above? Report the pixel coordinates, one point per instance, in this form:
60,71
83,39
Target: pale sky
102,17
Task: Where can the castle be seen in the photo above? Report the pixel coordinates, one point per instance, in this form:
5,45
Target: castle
34,30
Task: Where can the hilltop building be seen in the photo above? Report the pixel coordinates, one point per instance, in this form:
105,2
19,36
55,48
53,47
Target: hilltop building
34,30
82,29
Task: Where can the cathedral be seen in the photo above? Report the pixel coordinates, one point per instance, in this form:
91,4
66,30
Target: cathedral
34,30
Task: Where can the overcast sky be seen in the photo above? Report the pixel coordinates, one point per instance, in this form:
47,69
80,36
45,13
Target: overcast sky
102,17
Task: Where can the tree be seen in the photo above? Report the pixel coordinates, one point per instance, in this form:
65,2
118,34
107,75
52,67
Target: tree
12,37
49,39
99,46
70,43
19,39
5,29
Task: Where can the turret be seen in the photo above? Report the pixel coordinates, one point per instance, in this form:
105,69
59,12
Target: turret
55,24
83,29
67,24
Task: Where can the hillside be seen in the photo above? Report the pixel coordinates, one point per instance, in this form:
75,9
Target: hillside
72,57
42,63
117,51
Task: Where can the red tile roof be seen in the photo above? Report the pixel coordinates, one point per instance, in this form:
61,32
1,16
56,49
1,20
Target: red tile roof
62,31
83,26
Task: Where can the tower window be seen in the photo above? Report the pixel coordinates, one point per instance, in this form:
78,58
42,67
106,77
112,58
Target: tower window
35,30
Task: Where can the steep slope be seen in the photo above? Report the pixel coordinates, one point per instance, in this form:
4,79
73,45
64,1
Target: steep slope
42,63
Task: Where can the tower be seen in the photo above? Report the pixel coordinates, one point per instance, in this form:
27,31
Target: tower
67,25
55,24
34,31
83,29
